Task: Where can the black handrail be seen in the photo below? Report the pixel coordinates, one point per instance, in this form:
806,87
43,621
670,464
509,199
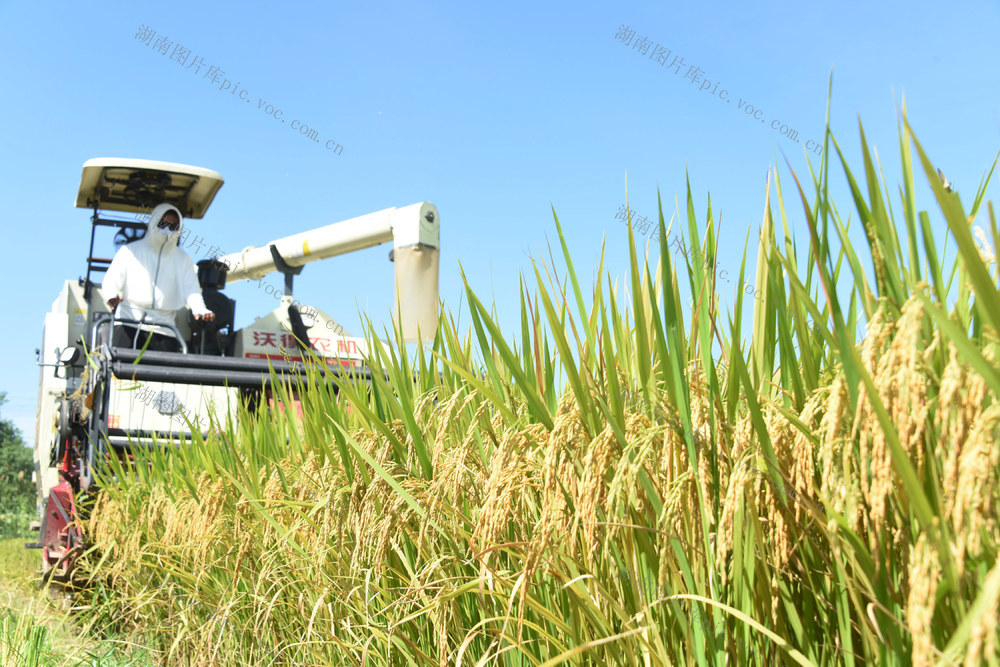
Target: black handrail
101,319
214,362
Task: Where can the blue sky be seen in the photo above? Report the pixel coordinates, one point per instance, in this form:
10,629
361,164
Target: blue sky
495,114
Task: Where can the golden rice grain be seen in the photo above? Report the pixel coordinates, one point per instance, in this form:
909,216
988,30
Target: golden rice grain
983,639
924,574
974,511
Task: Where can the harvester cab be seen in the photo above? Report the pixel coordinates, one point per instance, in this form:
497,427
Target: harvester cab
102,398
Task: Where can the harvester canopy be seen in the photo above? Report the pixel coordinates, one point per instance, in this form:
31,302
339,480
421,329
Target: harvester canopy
136,186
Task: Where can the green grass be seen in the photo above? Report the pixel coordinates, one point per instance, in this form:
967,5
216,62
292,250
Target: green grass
16,525
36,631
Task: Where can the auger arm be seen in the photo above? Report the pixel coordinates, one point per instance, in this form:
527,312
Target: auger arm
414,232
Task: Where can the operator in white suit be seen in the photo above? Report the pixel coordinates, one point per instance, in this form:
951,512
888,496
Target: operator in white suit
149,280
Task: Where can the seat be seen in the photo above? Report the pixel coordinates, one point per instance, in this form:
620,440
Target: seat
216,337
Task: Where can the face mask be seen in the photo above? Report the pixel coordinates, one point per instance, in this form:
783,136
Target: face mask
163,236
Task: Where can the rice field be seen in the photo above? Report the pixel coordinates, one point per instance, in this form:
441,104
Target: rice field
630,479
38,630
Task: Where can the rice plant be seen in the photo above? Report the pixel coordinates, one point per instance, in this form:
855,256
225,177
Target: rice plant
627,481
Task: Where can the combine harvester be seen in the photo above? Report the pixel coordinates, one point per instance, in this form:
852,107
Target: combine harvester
126,398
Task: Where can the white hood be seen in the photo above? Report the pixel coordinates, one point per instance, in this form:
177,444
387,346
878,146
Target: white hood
154,277
156,237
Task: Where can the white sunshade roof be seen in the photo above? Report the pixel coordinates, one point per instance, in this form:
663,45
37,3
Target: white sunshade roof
136,186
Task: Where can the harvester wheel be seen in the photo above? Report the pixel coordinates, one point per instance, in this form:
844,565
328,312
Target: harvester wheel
60,534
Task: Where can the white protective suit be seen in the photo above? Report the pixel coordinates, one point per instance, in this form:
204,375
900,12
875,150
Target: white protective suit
154,277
